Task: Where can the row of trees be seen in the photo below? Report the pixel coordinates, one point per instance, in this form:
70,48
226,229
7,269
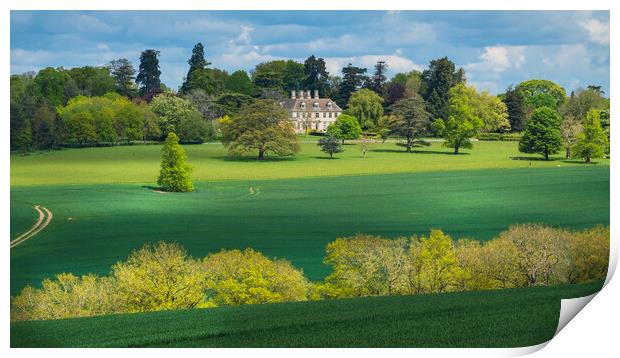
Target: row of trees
436,101
164,276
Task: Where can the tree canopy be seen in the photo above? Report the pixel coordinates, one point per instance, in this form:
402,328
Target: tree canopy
542,133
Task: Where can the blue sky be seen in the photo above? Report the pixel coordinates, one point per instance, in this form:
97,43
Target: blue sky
496,48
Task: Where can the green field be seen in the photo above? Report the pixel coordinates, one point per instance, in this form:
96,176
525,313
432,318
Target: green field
96,225
140,163
504,318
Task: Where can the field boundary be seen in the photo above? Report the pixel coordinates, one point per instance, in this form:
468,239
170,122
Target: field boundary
39,225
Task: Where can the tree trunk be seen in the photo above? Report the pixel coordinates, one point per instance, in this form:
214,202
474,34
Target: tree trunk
342,141
331,155
546,155
261,154
588,160
456,149
567,153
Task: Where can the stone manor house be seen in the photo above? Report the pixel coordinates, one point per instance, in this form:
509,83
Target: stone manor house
310,112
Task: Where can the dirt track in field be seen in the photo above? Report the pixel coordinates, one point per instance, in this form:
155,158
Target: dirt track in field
45,216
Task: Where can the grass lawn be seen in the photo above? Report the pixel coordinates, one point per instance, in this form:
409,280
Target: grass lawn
140,163
504,318
96,225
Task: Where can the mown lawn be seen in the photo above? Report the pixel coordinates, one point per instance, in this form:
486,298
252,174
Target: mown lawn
503,318
94,226
140,163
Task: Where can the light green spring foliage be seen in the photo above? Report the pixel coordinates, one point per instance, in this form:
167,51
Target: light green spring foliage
592,141
175,114
463,122
237,277
345,127
542,133
174,174
109,118
164,276
366,106
159,277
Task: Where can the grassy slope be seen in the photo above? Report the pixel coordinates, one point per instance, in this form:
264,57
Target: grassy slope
504,318
96,225
140,164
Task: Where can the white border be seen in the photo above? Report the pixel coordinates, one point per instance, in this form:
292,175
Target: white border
594,330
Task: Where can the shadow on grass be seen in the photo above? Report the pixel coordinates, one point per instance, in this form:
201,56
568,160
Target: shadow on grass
415,151
253,159
576,161
535,159
334,158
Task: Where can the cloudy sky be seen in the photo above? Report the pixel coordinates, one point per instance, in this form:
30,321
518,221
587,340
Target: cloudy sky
495,48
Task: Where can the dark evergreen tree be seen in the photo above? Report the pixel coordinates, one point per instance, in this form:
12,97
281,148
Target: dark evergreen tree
437,81
316,74
352,79
123,72
148,77
379,79
542,133
197,77
516,109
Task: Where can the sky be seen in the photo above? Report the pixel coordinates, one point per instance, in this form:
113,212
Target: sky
496,48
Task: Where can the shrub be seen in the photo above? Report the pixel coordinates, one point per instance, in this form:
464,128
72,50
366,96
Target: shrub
174,174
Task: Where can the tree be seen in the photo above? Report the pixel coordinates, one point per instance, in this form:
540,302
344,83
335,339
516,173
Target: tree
516,109
463,122
570,129
280,75
160,277
542,133
43,133
92,81
174,174
345,127
24,137
352,79
240,82
366,106
237,277
148,75
197,65
263,126
588,253
410,119
330,145
582,101
124,74
172,110
437,81
316,74
592,141
55,85
439,267
541,93
379,79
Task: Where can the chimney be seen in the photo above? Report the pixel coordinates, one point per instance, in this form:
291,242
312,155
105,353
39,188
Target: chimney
292,94
300,94
308,94
316,94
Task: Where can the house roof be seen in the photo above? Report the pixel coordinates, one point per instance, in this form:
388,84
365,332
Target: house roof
296,105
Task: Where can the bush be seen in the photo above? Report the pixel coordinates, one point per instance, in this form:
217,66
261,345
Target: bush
174,174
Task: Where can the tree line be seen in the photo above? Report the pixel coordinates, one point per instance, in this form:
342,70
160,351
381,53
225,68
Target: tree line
434,102
164,276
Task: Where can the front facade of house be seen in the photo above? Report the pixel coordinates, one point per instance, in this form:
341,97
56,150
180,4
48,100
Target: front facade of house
309,112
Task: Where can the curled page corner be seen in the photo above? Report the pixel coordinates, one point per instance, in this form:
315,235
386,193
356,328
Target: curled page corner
569,309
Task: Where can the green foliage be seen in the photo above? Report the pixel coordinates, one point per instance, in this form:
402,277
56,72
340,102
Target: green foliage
583,101
508,137
229,103
55,85
571,128
542,133
410,119
148,75
515,105
262,126
366,106
124,74
464,121
352,79
281,75
240,82
175,113
174,173
23,141
437,81
541,93
237,277
315,71
345,127
592,141
330,145
93,81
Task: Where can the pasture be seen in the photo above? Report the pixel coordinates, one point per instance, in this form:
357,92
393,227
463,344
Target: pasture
96,225
140,163
503,318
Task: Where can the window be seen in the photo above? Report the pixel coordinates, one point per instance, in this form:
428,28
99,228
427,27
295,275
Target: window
294,114
336,114
329,105
303,105
330,114
316,114
324,115
315,105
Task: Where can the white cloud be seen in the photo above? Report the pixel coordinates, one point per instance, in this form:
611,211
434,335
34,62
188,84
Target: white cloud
498,59
597,30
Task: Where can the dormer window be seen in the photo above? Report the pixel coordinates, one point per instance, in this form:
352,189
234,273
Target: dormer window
329,105
315,105
303,105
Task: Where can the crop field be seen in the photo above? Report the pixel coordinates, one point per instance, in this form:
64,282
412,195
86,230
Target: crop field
503,318
140,163
96,225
